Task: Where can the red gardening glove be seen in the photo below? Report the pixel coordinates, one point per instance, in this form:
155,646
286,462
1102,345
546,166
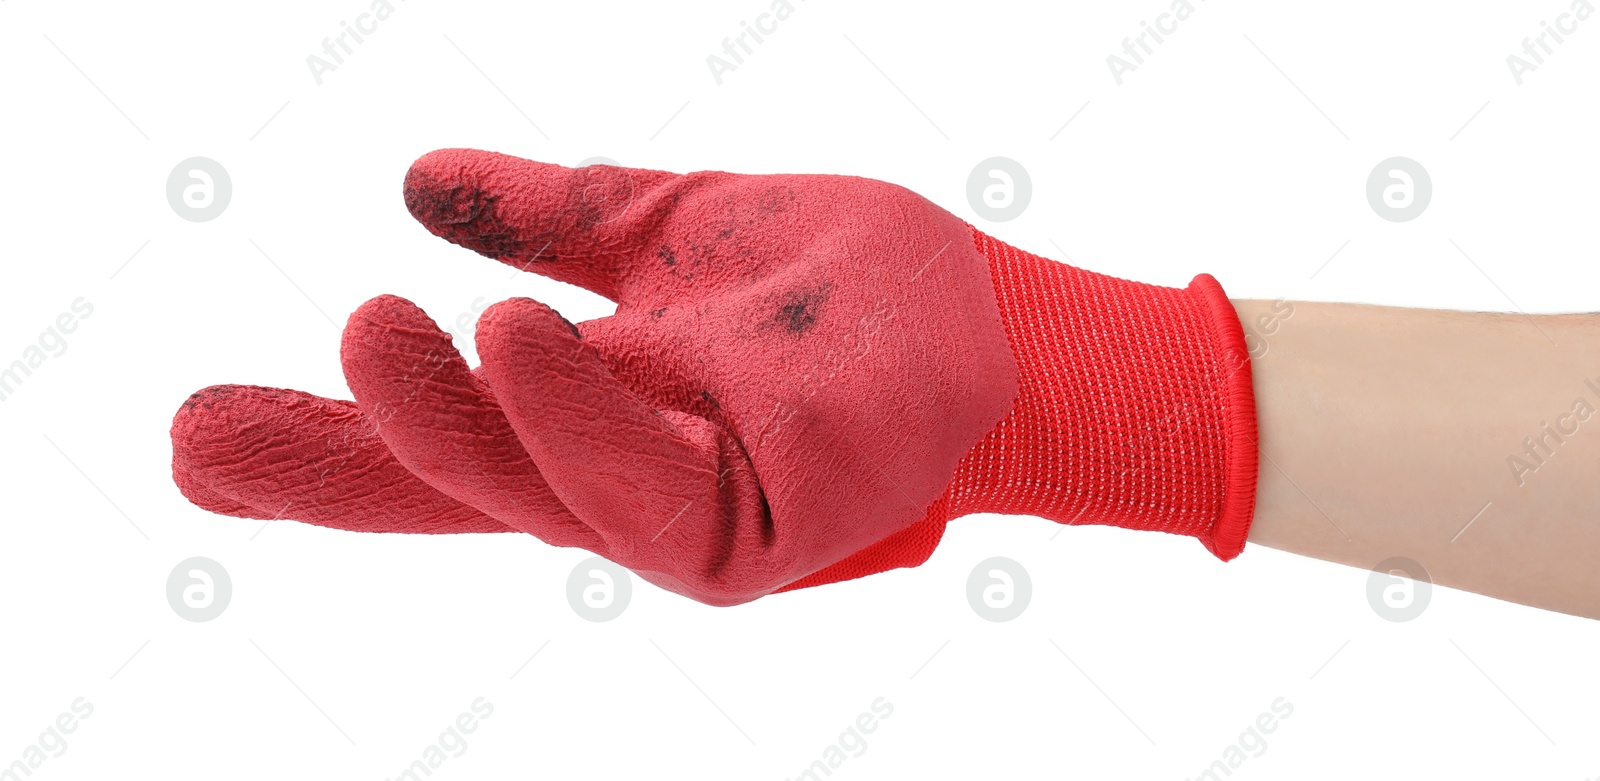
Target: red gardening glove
805,378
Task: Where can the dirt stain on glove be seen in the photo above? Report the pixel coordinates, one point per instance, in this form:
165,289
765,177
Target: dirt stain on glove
799,309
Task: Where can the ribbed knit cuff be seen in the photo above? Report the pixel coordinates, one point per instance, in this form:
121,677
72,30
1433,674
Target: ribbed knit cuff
1135,406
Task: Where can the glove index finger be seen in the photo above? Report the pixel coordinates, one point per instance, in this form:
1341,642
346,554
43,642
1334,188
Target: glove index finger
670,492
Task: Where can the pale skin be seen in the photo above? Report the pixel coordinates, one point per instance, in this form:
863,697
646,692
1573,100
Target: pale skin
1466,441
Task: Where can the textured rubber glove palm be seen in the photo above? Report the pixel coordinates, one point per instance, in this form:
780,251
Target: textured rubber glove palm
805,378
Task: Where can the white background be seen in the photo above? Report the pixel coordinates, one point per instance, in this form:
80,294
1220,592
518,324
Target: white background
1240,148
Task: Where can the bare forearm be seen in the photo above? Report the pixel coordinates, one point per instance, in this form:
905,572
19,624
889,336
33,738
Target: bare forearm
1466,441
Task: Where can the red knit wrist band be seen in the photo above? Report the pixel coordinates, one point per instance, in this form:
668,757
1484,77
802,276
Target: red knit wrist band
1134,409
1135,406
